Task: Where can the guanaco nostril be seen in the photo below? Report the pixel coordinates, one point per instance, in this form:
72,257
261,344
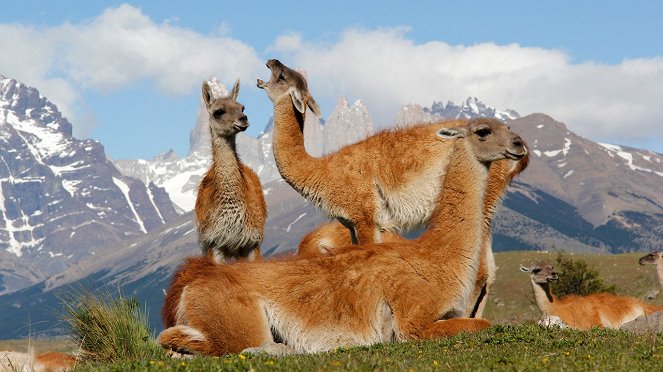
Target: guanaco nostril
243,118
518,141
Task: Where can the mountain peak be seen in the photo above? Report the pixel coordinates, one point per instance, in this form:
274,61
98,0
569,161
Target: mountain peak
60,195
471,108
29,107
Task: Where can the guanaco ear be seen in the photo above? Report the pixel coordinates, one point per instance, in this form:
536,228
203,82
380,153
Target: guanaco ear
235,91
525,269
314,106
297,99
207,93
449,133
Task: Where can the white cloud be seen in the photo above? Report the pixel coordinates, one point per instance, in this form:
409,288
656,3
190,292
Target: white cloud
386,69
118,48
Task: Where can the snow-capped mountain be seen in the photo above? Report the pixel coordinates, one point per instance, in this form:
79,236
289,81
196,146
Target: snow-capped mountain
60,199
612,187
472,108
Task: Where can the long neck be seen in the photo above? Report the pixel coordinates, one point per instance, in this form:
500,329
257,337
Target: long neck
227,169
498,179
454,234
296,166
544,297
456,223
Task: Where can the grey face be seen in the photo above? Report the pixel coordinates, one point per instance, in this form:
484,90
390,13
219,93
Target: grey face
490,139
541,273
226,115
285,80
651,259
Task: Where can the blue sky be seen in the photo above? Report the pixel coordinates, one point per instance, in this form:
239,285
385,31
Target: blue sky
128,73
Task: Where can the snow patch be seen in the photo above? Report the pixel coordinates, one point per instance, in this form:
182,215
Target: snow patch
149,194
125,190
71,186
618,151
295,221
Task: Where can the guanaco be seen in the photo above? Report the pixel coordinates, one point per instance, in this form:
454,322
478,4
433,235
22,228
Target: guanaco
230,207
584,312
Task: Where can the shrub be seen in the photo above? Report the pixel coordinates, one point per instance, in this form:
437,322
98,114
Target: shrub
576,277
109,329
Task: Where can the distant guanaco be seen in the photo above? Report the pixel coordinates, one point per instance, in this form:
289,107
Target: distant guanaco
584,312
654,258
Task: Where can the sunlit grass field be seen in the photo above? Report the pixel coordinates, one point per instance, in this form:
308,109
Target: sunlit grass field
521,347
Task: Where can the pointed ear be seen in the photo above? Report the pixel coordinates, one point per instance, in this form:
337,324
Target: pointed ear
314,106
449,133
235,91
297,99
207,93
525,269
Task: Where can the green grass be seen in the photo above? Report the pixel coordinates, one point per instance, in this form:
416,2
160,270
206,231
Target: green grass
109,328
503,347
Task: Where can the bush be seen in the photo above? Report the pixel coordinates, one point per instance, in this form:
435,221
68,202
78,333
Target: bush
109,329
576,277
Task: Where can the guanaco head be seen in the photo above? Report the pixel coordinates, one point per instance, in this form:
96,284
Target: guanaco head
490,139
541,273
653,258
226,115
285,80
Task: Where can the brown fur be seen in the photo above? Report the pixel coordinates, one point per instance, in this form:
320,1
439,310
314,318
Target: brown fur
48,362
230,207
393,176
604,310
333,235
355,296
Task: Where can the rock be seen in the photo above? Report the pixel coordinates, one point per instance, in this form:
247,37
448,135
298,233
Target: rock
652,323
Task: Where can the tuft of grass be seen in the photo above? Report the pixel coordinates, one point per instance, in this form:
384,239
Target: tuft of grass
109,329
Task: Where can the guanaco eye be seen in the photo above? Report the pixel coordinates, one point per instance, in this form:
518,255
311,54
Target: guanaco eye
536,271
281,76
483,132
218,113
